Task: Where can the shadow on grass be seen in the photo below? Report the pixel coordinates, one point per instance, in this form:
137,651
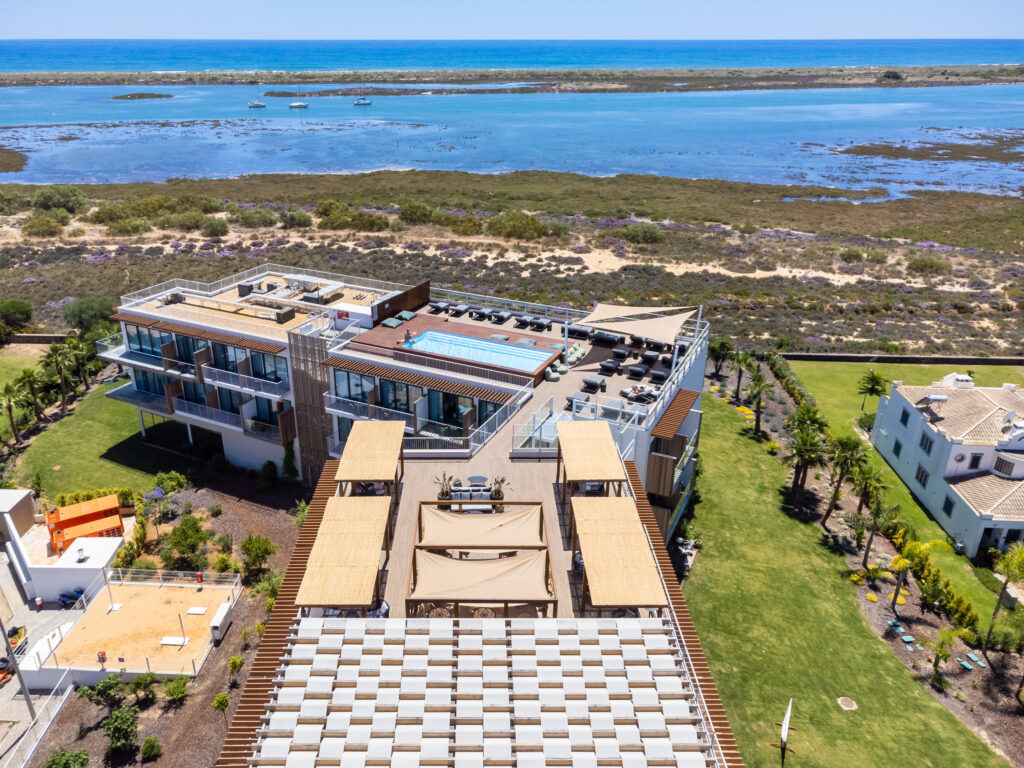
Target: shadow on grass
144,456
802,505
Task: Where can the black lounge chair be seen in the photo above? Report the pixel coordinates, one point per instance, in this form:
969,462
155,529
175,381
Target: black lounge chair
458,310
579,332
478,313
606,339
638,371
659,376
594,383
637,341
575,397
649,357
657,346
541,324
610,367
438,307
523,321
620,353
500,316
666,360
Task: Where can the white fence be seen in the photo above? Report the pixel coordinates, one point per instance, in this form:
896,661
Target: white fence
23,750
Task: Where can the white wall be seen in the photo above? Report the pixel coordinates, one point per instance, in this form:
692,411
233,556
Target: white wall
251,452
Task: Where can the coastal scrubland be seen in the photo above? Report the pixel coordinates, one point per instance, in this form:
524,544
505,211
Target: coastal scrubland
793,268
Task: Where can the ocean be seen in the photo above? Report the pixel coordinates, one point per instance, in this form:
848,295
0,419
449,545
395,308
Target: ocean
342,55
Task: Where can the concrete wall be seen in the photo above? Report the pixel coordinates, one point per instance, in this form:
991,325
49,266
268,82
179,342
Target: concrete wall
17,503
251,452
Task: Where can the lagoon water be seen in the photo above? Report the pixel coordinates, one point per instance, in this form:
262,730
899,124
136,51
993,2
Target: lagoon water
337,55
78,134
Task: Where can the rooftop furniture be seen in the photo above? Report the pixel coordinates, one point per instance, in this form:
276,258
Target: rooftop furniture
594,383
551,375
610,367
606,339
499,315
619,569
659,376
437,307
373,453
637,341
575,397
638,371
587,453
523,321
620,353
526,342
649,357
579,332
344,563
557,347
458,310
541,324
638,393
516,525
656,346
391,322
471,499
478,313
405,314
498,336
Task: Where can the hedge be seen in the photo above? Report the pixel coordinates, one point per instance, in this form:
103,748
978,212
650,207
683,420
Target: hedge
125,496
790,382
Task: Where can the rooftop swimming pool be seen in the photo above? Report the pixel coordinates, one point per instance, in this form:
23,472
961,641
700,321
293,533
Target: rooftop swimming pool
472,350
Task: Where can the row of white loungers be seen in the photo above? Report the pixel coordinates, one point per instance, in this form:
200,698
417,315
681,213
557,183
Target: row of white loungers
482,692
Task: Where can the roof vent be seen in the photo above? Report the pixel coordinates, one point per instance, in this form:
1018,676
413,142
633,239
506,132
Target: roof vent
1010,417
82,557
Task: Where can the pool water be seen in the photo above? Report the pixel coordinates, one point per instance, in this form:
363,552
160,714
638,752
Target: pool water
473,350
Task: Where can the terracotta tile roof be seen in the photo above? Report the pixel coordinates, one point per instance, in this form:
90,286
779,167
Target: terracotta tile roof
417,379
674,416
973,415
991,495
270,347
127,317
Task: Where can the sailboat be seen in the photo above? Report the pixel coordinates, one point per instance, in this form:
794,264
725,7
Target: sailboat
258,102
298,105
362,101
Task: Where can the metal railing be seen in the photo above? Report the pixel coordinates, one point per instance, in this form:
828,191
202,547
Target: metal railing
127,393
21,753
560,314
245,383
353,409
173,578
113,349
696,350
261,429
683,460
499,418
361,353
188,408
335,447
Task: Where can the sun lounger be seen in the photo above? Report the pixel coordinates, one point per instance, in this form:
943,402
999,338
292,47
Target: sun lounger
524,320
594,383
498,336
638,371
656,346
541,324
405,314
610,367
437,307
666,360
557,347
579,331
637,341
620,353
458,310
606,339
575,397
526,342
659,376
478,313
649,358
391,322
499,316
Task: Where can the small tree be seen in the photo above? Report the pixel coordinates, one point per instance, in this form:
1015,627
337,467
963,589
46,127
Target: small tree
847,454
941,645
806,450
10,398
741,361
267,477
176,689
83,314
235,664
288,468
107,693
142,687
187,536
15,313
221,702
62,758
257,549
151,749
756,391
301,510
871,383
719,352
60,196
122,729
1011,568
141,529
881,517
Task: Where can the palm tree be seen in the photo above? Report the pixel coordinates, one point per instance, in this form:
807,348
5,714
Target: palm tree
871,383
10,398
899,567
30,381
741,361
1011,567
847,455
868,484
80,358
881,516
719,350
756,391
806,450
57,357
806,416
941,645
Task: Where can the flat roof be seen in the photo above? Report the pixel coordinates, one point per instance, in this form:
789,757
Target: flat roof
372,452
344,564
81,509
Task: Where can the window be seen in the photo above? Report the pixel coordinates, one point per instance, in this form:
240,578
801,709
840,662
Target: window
394,395
187,348
269,367
344,427
353,386
975,461
1003,467
947,506
231,401
195,392
921,476
146,340
227,358
150,382
904,417
265,411
926,443
485,410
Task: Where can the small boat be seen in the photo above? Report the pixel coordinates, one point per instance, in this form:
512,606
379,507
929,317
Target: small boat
298,105
362,101
258,102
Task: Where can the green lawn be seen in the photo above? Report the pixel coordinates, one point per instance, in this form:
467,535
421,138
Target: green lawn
14,359
834,385
777,618
97,446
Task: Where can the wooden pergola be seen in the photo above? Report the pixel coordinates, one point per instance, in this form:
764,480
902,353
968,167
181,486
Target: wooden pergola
373,454
343,570
587,453
619,569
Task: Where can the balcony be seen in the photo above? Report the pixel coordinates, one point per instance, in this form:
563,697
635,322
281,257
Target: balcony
243,383
140,398
353,409
113,350
216,415
682,468
335,447
260,429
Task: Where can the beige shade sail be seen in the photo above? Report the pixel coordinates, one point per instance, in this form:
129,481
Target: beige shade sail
344,563
517,528
626,320
519,579
589,452
372,452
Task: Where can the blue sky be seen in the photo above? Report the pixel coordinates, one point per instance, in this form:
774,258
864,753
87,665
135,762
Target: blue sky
513,19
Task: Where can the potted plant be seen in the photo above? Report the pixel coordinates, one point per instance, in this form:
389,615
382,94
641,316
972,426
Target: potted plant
444,486
498,490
